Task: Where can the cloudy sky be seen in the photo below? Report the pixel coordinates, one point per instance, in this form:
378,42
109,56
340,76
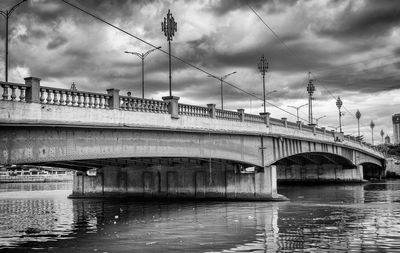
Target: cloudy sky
351,48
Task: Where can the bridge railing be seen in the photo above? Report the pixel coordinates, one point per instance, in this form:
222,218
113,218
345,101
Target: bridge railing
31,91
135,104
193,110
67,97
14,91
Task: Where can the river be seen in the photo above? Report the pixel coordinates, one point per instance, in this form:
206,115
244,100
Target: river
335,218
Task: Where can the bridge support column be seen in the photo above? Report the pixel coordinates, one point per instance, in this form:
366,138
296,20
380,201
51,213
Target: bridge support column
360,171
270,181
184,180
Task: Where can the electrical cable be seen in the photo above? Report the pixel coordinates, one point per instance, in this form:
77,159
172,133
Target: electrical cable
173,56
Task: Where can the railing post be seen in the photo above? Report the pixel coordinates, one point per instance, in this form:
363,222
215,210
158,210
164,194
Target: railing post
172,106
113,101
33,91
284,122
266,115
324,129
211,110
314,129
300,124
241,114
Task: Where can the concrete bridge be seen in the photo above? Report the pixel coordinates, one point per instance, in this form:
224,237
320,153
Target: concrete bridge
128,146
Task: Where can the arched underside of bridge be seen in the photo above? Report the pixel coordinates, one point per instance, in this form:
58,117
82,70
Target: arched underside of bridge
319,167
372,171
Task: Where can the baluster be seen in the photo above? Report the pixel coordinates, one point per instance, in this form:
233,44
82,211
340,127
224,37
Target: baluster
152,106
22,94
85,100
134,105
139,105
106,105
128,104
49,98
55,99
80,99
42,95
121,103
146,105
91,102
74,98
62,100
96,101
101,101
68,96
13,95
157,107
5,92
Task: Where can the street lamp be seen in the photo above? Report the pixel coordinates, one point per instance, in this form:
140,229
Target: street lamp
142,56
263,67
169,27
6,14
339,104
372,125
317,119
358,116
297,109
222,78
310,90
382,134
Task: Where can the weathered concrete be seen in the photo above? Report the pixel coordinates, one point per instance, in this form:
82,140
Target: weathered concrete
311,173
194,181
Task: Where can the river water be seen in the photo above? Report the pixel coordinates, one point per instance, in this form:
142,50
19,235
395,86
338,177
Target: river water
340,218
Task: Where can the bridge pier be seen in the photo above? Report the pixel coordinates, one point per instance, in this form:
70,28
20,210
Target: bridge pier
179,181
311,173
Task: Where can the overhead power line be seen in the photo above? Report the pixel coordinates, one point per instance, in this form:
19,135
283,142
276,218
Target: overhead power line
173,56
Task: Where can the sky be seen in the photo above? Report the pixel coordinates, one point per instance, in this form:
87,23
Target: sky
350,47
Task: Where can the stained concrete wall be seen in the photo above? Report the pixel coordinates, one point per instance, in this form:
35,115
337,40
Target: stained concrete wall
318,173
200,181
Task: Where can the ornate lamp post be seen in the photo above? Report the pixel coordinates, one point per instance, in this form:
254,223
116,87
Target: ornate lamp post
372,125
358,116
339,104
142,56
310,90
263,68
382,134
7,14
169,27
297,109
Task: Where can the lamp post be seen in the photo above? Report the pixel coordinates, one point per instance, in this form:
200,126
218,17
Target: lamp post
382,134
169,27
358,116
310,90
222,78
6,14
317,119
372,125
339,104
142,56
297,109
263,68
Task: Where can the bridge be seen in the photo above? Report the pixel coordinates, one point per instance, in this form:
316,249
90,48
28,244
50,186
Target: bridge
128,146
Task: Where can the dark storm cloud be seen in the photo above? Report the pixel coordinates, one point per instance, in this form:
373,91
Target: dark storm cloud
374,19
224,7
56,42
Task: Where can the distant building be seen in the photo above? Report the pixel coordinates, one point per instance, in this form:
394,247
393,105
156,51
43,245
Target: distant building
396,128
387,139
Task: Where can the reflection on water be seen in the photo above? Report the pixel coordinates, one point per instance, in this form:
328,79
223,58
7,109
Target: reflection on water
321,218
